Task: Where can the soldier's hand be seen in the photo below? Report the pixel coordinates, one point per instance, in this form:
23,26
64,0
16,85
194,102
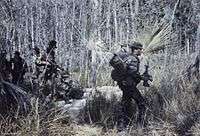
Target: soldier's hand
150,78
137,77
146,77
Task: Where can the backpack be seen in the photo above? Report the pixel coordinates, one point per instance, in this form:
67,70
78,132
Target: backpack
119,71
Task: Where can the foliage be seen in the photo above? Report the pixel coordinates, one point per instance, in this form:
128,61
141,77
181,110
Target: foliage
87,33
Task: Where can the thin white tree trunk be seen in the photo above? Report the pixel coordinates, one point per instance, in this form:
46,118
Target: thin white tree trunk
82,52
108,34
71,36
188,46
131,8
128,30
32,29
197,44
136,7
39,25
115,22
56,23
26,34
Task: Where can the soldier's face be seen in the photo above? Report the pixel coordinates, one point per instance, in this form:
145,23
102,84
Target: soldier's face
138,52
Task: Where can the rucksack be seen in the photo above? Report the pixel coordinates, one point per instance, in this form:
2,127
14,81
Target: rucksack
120,68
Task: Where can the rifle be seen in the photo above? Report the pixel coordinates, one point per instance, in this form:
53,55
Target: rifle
56,65
51,62
146,77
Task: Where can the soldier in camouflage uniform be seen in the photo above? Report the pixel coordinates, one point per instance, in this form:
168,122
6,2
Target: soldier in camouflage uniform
40,63
127,76
5,66
19,68
51,69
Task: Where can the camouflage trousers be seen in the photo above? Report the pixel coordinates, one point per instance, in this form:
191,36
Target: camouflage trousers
130,93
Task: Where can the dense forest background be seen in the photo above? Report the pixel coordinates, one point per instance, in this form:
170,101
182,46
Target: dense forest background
80,27
89,31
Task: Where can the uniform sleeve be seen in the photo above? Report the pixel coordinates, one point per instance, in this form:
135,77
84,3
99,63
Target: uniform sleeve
39,62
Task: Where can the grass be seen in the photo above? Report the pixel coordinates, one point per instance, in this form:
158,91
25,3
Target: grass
172,99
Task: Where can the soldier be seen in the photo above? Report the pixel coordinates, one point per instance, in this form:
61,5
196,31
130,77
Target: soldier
51,50
5,66
40,62
126,73
51,69
19,68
